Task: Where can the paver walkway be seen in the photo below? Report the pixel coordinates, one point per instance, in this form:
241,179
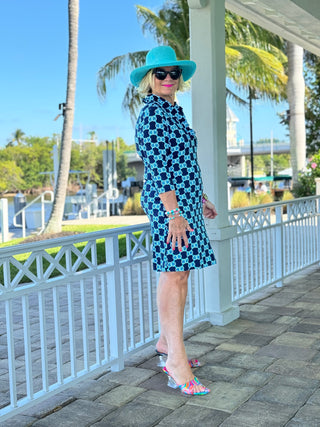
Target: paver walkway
263,370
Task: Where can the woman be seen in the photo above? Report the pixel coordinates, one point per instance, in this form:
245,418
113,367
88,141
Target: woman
172,198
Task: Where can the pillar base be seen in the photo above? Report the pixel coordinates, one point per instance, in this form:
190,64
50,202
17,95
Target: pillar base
225,317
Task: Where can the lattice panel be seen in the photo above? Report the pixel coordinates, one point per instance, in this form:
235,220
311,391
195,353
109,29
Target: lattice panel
139,246
301,209
251,220
31,268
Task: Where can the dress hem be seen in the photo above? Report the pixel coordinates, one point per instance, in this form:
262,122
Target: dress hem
192,268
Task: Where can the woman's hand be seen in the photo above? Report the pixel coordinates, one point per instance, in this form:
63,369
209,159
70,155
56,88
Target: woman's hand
209,210
177,232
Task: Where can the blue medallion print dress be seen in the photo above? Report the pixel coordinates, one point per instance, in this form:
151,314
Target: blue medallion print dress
168,148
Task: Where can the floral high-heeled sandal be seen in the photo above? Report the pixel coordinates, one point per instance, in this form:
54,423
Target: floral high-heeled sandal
187,388
193,363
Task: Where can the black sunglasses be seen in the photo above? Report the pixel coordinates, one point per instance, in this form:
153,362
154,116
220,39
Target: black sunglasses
161,74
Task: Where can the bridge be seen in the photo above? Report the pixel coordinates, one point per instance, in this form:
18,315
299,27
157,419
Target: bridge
244,150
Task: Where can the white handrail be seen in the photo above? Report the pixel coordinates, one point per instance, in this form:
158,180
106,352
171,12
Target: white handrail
23,211
111,194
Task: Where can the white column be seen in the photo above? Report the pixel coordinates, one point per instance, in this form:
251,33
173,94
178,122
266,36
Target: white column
317,186
209,122
4,215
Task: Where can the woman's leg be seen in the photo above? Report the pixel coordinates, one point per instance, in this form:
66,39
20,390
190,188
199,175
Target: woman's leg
169,283
171,299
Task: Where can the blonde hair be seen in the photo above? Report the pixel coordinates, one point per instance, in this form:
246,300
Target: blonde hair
147,83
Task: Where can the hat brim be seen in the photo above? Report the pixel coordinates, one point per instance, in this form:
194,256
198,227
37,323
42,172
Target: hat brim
188,69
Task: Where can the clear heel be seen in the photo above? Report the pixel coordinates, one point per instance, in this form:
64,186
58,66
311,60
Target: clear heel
172,383
193,363
162,361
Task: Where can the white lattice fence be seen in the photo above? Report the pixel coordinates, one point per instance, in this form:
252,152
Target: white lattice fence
273,241
73,305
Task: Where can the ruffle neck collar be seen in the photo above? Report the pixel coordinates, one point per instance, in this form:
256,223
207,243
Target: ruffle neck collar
162,103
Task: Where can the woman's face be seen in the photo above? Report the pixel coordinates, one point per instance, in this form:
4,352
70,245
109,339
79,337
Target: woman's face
165,88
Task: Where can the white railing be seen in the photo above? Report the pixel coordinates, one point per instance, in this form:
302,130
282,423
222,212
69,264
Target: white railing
4,220
273,242
22,212
92,208
73,305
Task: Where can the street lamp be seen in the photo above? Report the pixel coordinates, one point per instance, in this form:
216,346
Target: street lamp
252,95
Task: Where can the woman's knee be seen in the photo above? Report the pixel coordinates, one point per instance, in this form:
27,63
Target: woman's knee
180,277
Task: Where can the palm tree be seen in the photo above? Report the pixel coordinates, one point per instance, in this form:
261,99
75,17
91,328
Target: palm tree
92,135
17,137
55,221
295,93
250,63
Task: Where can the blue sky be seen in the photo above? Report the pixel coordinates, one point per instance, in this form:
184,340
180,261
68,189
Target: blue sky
34,36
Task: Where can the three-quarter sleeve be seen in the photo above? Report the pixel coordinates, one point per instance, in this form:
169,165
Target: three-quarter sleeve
152,143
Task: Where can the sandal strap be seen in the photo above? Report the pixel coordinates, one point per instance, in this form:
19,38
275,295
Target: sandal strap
188,387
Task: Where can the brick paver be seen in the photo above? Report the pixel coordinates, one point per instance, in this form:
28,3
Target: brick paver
263,370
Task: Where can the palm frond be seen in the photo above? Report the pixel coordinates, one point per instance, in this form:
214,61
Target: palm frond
239,30
166,28
236,98
254,56
132,101
121,63
260,70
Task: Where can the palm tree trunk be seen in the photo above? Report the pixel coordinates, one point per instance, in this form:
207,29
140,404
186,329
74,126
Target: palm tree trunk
295,92
55,222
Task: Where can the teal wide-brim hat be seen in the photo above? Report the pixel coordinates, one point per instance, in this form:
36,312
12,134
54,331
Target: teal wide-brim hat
162,56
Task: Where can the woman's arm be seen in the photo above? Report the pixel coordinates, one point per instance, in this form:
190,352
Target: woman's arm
209,209
177,223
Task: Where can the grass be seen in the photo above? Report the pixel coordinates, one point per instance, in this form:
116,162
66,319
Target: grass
76,229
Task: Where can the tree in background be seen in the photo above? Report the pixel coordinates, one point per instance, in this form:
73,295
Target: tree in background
87,158
262,163
92,135
254,59
32,157
295,95
90,158
312,78
123,171
55,222
11,176
17,137
253,56
32,160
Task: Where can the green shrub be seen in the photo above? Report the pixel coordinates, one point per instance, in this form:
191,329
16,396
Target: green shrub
240,199
137,204
264,199
133,206
306,185
254,200
287,195
128,207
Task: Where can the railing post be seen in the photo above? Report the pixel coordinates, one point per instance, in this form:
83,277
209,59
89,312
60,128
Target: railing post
318,212
279,267
23,223
218,280
114,303
42,211
317,186
4,220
